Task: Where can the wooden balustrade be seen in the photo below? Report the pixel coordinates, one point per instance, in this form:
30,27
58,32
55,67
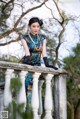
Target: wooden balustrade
49,74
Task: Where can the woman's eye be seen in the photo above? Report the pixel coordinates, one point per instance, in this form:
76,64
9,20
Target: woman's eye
34,26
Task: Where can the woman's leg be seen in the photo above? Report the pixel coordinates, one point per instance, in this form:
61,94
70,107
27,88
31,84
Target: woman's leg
28,87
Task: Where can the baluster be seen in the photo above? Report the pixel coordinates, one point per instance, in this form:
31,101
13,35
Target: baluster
56,97
7,92
60,97
48,97
21,98
35,97
40,110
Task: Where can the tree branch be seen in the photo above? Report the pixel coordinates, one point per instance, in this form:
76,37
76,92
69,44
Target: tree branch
3,1
71,107
29,10
7,43
52,13
17,22
59,44
11,1
56,3
9,32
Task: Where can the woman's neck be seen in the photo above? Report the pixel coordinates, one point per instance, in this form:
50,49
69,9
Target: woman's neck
33,33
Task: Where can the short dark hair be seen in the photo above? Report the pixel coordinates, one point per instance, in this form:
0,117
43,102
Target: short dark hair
35,19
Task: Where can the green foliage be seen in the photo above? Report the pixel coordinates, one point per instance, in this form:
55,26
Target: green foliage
72,65
2,77
15,86
5,11
51,46
9,59
73,92
15,111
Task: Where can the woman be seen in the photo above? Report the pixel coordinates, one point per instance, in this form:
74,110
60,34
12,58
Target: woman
34,45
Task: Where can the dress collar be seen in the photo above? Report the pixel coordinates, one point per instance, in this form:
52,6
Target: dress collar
33,36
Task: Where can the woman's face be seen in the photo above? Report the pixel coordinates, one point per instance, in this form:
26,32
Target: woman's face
34,28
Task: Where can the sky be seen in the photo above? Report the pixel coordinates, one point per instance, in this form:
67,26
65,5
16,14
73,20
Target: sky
71,7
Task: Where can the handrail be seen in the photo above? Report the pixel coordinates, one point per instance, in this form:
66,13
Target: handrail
40,69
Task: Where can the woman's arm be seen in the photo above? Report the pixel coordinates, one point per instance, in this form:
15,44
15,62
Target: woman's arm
44,53
27,53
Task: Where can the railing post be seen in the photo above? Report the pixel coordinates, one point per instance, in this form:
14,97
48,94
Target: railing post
7,92
21,98
40,110
1,100
48,97
35,97
60,108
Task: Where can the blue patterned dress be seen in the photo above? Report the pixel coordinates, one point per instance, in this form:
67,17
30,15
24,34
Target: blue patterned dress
32,42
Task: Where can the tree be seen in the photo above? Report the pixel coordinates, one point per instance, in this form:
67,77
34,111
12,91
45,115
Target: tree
5,10
72,65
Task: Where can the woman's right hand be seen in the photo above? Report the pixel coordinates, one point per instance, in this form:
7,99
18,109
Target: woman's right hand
39,49
26,60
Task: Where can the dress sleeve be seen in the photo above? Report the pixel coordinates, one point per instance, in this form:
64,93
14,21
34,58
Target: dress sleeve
24,36
43,37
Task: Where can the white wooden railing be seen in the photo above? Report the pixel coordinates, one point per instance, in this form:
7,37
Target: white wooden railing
58,105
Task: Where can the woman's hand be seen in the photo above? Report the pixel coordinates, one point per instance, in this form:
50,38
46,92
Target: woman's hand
39,49
26,60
